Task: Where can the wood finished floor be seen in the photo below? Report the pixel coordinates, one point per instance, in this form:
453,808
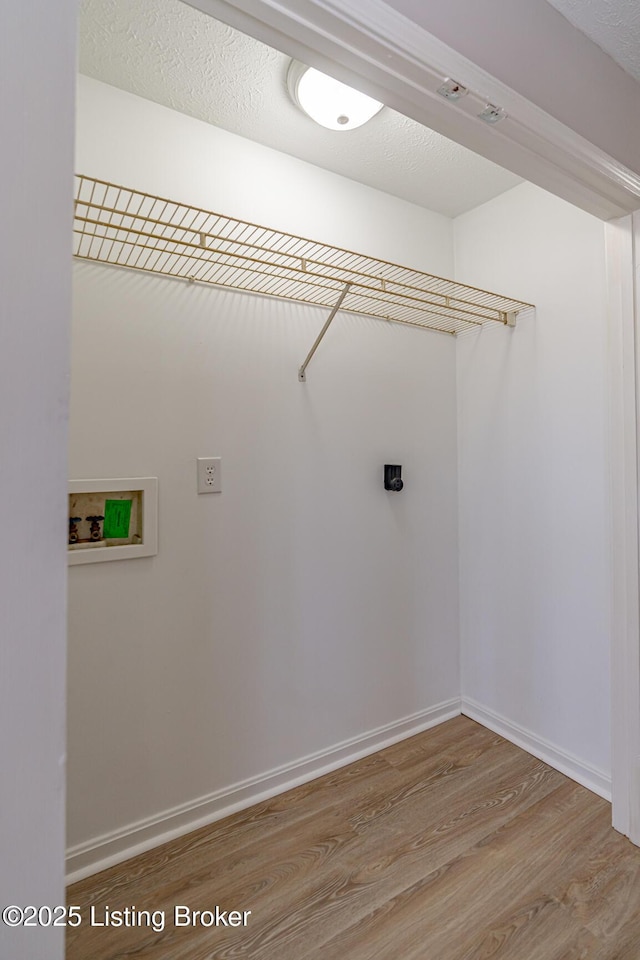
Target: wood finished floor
453,845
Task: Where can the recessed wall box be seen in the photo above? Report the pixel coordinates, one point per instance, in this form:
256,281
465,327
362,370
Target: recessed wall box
114,519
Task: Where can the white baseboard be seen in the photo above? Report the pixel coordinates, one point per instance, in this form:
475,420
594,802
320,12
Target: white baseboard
111,848
94,855
583,773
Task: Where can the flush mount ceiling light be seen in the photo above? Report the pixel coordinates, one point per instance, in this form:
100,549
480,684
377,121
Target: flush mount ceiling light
327,101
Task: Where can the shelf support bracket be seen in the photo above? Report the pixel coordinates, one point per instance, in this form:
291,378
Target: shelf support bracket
302,376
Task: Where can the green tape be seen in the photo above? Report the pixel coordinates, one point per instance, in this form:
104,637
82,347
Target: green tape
117,518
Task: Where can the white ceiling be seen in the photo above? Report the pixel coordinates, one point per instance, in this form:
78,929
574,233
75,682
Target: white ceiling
613,24
168,52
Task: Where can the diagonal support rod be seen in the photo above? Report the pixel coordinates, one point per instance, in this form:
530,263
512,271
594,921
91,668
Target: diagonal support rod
301,372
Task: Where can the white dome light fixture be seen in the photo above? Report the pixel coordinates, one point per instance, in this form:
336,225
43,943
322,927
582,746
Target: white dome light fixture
330,103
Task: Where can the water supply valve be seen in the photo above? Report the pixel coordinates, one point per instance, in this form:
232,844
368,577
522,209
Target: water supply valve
95,533
74,536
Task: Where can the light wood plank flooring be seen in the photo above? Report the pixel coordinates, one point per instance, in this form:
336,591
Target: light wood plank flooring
453,845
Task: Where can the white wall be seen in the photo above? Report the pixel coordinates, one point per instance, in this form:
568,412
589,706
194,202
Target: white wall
35,199
134,142
304,605
534,493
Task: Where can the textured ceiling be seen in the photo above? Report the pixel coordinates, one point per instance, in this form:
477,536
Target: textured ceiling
613,24
170,53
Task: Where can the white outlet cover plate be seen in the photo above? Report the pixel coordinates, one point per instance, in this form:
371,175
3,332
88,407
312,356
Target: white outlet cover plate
209,475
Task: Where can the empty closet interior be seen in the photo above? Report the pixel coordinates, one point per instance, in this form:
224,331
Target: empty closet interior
305,615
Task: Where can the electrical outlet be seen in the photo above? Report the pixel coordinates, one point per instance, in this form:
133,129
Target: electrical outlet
209,475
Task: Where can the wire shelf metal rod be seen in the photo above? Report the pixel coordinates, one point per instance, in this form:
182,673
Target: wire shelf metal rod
320,247
449,299
374,291
302,376
130,228
371,296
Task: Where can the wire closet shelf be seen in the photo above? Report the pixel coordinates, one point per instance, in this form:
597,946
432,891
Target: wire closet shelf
129,228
